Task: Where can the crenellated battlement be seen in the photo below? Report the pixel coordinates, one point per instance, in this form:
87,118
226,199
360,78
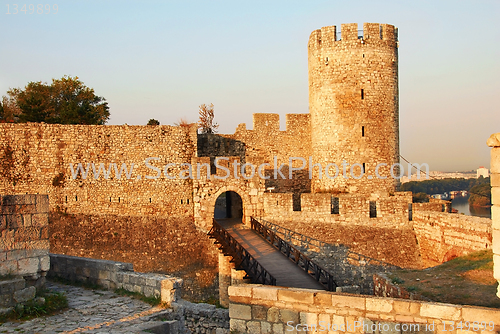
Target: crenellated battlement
269,123
371,33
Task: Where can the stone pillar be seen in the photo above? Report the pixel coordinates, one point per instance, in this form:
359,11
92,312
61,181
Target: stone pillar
494,143
237,277
225,267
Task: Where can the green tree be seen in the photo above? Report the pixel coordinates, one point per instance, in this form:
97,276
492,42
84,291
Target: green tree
153,121
65,101
480,195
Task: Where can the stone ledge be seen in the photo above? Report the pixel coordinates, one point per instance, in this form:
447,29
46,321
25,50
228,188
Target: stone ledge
115,275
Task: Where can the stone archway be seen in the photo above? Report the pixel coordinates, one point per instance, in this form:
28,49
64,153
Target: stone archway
229,205
207,206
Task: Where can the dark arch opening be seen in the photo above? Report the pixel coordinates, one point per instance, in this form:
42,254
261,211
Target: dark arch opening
228,205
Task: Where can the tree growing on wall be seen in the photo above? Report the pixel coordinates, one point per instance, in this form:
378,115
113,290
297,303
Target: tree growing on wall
65,101
206,123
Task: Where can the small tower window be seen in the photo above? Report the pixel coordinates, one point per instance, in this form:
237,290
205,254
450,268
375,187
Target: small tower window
364,167
363,131
326,61
373,209
362,94
334,206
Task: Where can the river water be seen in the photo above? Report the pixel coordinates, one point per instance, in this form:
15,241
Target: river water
462,205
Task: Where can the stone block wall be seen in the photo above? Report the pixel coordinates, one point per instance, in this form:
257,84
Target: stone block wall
391,210
24,247
444,236
265,309
36,158
24,241
115,275
494,143
434,204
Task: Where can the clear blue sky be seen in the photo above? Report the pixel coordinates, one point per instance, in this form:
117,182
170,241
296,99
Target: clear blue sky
162,59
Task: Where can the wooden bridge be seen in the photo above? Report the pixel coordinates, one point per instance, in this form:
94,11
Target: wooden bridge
268,259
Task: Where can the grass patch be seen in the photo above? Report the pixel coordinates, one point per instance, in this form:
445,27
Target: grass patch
397,280
213,301
153,301
465,280
54,303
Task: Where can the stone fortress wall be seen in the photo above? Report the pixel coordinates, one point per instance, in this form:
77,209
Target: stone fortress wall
35,158
353,117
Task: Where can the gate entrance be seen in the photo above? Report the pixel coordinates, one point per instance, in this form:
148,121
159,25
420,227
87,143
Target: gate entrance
228,205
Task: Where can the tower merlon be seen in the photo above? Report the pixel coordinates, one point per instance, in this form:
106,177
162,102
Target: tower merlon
327,36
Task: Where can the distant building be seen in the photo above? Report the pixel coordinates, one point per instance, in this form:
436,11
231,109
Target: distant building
481,171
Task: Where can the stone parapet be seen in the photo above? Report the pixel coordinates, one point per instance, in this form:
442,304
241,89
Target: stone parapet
265,309
443,236
115,275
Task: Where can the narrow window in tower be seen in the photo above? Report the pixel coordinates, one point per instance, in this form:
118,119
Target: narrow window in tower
363,131
362,94
373,209
181,201
326,61
150,200
364,168
334,206
363,55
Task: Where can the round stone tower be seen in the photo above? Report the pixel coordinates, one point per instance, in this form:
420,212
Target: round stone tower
353,102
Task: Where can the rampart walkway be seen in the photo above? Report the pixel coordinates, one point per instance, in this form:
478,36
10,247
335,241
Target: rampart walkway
286,273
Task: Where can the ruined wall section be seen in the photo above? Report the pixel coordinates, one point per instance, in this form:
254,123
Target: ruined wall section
353,99
443,236
35,158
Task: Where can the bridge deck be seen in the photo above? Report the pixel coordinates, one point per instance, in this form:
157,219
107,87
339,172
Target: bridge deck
285,271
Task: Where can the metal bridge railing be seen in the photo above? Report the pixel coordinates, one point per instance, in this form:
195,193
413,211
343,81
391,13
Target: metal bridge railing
320,274
309,243
242,259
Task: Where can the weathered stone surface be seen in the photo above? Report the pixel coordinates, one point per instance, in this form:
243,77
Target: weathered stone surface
494,140
243,312
24,295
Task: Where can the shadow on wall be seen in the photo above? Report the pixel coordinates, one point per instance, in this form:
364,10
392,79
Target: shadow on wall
213,145
299,183
228,205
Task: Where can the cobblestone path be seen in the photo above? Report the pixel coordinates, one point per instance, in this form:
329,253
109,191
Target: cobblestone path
91,311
